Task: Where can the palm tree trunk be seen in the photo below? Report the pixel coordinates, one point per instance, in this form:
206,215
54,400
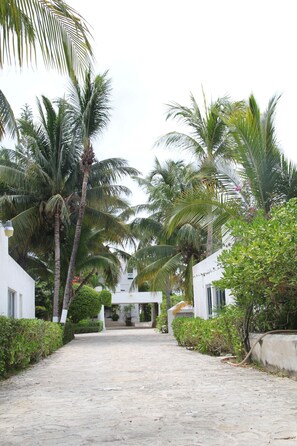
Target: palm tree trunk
209,243
86,164
189,291
168,294
57,271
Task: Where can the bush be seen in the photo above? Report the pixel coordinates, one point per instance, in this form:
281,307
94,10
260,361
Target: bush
213,336
115,317
105,298
259,269
88,326
68,332
86,304
25,341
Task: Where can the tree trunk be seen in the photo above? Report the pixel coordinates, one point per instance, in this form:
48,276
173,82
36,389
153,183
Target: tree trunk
167,294
168,301
57,270
209,243
246,328
86,164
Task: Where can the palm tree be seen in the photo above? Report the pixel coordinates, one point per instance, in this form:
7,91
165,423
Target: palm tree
41,180
51,26
47,164
207,140
257,151
90,114
164,184
263,176
171,259
161,258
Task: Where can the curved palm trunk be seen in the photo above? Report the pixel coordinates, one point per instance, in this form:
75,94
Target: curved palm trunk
57,271
86,164
189,291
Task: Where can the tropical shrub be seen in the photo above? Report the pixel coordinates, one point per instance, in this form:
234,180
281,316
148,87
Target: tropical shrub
105,298
25,341
259,269
86,304
213,336
88,326
43,300
68,331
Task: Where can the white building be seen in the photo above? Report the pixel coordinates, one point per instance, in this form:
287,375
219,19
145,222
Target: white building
17,288
207,298
130,301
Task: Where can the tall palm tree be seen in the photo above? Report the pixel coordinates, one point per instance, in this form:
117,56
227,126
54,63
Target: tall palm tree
51,26
161,258
257,151
164,184
207,140
41,181
47,164
263,176
90,114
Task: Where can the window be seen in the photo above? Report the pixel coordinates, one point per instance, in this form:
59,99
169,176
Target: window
209,301
220,298
11,304
130,274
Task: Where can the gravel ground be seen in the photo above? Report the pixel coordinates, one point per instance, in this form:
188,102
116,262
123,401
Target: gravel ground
137,387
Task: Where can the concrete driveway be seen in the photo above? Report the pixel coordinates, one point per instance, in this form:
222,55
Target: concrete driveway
137,387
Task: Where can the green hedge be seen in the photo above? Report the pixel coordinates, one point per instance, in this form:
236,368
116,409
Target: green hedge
105,297
25,341
68,332
215,336
88,326
86,304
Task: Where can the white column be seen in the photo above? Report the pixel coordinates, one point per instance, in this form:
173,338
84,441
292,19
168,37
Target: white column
101,316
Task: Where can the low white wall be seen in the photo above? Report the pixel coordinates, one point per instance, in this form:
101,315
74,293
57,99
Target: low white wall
13,277
276,351
187,311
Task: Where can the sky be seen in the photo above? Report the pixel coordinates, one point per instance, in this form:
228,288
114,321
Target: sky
159,51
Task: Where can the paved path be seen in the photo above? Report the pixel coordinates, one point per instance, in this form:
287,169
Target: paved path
138,388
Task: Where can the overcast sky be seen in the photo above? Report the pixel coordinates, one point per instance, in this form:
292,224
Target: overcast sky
160,51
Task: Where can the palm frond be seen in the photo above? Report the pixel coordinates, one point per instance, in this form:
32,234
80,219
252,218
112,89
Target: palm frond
8,123
53,26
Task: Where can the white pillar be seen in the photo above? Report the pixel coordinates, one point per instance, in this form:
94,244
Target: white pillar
101,316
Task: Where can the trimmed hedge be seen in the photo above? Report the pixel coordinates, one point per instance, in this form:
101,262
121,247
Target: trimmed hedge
68,332
213,336
105,298
25,341
88,326
86,304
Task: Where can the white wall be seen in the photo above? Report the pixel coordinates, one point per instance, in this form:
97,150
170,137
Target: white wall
204,273
126,279
14,278
276,351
